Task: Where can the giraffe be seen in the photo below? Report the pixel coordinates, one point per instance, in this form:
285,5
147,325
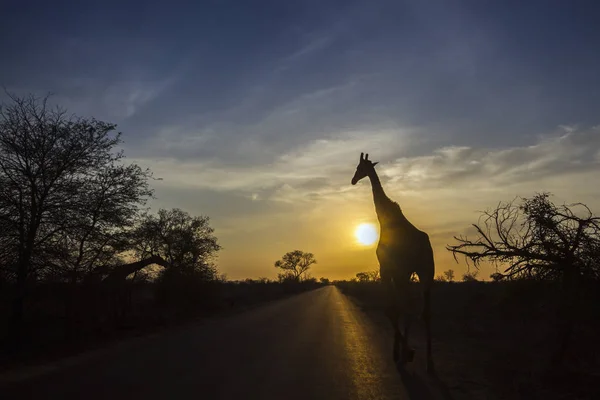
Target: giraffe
115,282
402,250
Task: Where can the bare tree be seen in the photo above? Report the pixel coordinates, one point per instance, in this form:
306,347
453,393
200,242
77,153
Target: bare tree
62,191
537,239
295,263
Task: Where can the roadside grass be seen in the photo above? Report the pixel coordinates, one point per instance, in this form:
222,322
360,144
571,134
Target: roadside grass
494,340
48,335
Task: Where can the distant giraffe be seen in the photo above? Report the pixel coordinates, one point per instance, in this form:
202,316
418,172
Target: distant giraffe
116,286
402,250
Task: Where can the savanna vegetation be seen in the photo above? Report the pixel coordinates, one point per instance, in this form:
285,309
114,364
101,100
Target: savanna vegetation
82,259
529,331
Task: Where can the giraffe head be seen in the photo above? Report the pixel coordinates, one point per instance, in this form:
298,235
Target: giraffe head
364,168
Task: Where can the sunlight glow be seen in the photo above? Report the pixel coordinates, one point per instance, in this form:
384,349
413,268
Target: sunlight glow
366,234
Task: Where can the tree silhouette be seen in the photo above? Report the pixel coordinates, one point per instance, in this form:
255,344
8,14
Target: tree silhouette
368,276
470,276
449,275
187,243
295,264
537,239
64,194
362,277
496,276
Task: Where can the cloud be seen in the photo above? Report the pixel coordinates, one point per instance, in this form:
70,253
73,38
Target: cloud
123,99
113,99
322,168
318,43
315,166
571,151
90,74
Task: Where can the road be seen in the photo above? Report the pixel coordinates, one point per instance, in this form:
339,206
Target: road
316,345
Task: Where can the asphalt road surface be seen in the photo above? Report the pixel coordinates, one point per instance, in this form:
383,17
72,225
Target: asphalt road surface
316,345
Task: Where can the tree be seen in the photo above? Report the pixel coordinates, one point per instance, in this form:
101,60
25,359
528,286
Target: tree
440,278
64,193
369,276
496,276
363,277
187,243
536,239
374,275
449,275
324,281
470,276
98,233
295,264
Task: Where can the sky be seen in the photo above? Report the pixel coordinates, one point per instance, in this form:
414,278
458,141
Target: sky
255,112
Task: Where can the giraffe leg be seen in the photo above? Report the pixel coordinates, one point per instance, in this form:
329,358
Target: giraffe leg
427,318
408,353
393,311
394,316
396,309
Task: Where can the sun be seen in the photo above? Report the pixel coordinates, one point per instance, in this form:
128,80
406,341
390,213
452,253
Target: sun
366,234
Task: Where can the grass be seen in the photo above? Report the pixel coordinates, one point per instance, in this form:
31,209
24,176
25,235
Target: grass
495,339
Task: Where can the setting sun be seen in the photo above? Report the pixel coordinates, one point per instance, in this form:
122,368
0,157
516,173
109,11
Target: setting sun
366,234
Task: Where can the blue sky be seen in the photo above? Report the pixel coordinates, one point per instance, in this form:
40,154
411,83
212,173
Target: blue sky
255,110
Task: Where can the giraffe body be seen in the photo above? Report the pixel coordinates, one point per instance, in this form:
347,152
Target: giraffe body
402,250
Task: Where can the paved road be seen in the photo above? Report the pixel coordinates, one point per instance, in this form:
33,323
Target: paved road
317,345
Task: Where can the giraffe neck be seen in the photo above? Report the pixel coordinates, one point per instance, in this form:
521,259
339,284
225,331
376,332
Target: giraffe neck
389,213
379,197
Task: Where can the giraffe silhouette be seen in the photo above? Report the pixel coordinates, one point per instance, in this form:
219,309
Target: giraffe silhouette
402,250
115,283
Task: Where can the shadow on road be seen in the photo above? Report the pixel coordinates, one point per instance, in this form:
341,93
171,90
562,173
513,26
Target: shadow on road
419,388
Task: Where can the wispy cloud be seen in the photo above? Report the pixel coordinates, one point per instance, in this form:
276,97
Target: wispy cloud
563,154
320,170
327,161
123,99
314,45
